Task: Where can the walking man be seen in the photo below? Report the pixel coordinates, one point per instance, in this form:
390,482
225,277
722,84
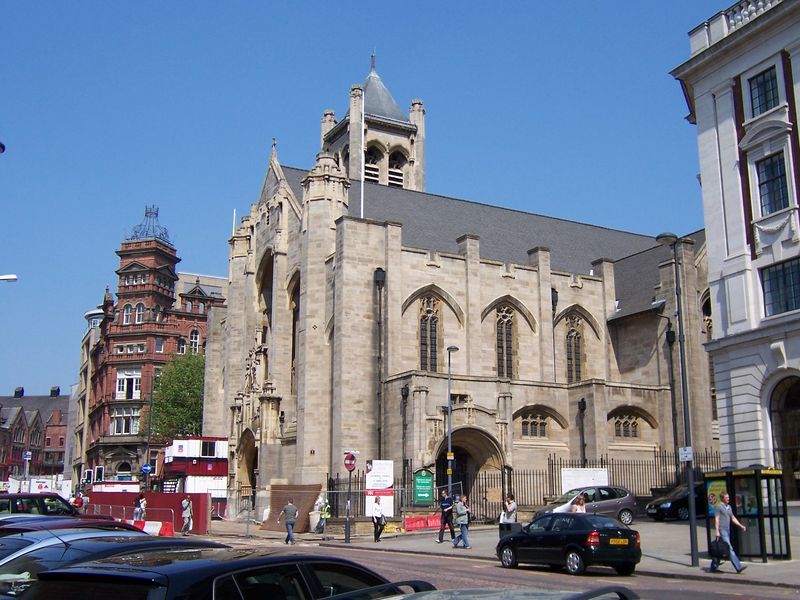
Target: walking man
289,513
446,504
723,517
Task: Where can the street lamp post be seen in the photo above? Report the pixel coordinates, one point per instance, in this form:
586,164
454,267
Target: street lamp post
450,350
671,240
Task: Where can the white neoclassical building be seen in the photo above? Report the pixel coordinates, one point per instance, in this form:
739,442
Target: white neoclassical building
742,84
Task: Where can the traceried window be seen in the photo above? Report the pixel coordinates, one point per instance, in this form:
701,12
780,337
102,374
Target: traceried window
626,427
194,341
124,421
764,91
127,314
534,425
781,285
140,313
181,346
429,333
574,349
505,341
372,165
772,189
129,384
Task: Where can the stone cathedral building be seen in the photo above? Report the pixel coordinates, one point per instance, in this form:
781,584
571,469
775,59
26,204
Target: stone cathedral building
342,320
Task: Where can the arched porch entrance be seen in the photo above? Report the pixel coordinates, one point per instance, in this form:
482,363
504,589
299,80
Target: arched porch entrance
785,416
246,465
478,469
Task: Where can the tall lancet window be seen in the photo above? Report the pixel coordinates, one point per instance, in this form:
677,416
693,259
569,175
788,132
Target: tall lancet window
505,342
574,349
429,330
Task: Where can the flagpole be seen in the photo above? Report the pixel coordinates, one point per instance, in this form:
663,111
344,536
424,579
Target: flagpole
363,149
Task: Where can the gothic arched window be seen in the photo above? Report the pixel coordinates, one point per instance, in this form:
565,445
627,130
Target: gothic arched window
127,313
429,333
397,166
574,349
372,164
505,341
140,313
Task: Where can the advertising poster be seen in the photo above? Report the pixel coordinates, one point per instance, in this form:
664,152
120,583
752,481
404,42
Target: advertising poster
380,483
714,490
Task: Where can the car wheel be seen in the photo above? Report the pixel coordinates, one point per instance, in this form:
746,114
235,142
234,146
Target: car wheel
683,513
626,516
575,564
626,569
508,557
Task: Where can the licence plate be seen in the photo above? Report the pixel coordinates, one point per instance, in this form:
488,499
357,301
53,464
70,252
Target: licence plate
618,541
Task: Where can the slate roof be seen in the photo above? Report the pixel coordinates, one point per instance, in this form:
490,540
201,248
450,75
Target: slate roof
636,276
432,222
44,404
378,100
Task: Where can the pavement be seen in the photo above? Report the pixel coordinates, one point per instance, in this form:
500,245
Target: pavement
665,549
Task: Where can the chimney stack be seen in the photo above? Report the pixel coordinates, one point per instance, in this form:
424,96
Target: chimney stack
55,391
19,392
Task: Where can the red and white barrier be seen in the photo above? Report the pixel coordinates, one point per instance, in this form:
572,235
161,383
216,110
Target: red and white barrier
159,528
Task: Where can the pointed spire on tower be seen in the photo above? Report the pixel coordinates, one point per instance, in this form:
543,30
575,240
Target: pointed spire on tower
274,153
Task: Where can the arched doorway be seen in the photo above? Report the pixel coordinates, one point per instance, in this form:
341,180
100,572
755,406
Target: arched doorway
477,469
246,465
785,416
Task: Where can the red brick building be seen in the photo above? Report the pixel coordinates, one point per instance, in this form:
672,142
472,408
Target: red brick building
158,313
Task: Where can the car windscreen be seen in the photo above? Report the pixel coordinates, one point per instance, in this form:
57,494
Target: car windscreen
11,544
602,522
678,491
564,498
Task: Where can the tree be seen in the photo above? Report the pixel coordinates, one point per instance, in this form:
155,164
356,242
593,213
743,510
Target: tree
177,406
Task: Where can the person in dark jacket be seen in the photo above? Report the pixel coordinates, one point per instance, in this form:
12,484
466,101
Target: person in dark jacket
446,506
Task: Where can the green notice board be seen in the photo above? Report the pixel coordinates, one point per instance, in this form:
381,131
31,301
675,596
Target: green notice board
423,488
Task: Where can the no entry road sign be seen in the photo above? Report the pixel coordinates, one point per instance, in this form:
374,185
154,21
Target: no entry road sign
350,461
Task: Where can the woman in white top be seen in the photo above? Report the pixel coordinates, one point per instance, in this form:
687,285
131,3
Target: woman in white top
378,522
579,504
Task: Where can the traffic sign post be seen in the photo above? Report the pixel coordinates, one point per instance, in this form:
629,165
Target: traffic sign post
350,465
26,456
146,468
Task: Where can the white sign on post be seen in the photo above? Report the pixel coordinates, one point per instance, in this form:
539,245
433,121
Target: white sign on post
685,454
380,482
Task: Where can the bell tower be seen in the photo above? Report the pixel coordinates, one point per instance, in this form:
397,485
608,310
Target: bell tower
377,135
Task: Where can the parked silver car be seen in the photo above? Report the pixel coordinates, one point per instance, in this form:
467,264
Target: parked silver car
612,501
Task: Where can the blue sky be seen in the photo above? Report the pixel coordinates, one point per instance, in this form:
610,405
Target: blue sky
563,109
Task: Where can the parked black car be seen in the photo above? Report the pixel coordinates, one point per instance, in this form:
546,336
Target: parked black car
574,541
46,503
12,527
20,571
221,574
675,503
